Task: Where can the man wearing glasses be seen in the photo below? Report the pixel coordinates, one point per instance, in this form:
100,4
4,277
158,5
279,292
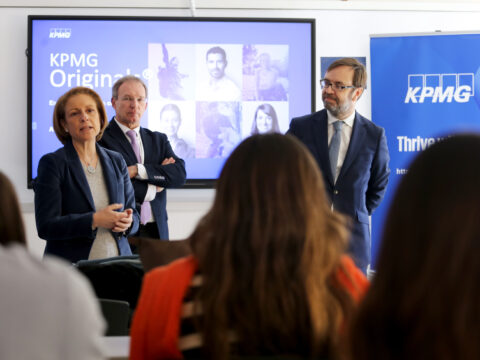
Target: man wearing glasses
151,162
350,150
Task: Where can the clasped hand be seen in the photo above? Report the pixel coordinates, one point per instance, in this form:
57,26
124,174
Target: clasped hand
109,218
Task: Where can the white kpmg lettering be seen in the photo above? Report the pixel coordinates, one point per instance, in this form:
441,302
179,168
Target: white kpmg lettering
411,94
73,60
438,94
57,33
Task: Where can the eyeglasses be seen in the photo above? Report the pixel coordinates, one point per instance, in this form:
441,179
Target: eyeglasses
324,84
130,99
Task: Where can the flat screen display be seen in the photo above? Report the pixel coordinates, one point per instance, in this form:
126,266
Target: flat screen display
211,81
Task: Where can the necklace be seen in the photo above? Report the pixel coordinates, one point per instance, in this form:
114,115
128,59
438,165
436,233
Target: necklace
84,154
90,166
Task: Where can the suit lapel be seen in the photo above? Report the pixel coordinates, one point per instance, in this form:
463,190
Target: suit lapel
76,169
147,146
108,175
117,136
321,141
356,141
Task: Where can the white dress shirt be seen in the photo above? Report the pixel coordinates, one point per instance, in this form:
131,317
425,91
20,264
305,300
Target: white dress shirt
345,137
223,89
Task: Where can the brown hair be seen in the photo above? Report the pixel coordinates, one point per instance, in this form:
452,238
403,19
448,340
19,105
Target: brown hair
359,71
11,222
267,250
424,301
59,112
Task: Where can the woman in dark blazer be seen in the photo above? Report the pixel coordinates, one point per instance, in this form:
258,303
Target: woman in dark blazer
84,200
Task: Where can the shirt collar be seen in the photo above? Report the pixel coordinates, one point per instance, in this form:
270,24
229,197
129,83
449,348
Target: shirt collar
126,128
349,120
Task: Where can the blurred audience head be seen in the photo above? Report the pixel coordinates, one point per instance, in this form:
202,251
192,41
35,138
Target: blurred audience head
59,115
267,249
11,222
424,300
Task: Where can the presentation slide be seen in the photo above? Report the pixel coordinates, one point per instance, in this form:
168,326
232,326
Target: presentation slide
265,68
424,88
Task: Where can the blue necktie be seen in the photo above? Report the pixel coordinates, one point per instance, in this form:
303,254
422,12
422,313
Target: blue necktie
335,147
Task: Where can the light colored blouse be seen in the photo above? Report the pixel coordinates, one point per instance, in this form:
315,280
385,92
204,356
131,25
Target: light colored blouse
104,244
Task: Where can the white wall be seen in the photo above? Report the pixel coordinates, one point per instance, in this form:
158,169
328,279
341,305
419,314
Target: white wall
342,29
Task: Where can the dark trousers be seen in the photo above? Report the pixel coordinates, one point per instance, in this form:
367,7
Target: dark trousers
149,230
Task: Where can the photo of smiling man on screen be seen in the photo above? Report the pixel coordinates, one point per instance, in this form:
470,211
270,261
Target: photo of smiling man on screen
217,85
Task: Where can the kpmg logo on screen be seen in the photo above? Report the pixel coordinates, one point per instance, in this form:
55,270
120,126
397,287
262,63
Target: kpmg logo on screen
440,88
60,33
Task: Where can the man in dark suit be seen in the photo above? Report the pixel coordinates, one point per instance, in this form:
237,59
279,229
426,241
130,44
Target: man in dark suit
350,150
152,164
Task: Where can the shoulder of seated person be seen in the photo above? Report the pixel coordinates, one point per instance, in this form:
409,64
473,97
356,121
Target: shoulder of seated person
176,265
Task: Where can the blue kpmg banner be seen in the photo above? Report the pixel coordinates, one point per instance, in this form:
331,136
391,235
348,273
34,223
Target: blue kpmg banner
424,88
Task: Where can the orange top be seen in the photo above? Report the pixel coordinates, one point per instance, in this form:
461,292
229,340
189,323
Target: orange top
354,281
156,322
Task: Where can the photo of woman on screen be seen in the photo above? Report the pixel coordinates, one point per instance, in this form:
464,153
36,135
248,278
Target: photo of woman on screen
265,120
170,122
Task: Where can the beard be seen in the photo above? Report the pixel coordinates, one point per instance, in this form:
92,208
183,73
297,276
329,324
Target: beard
336,108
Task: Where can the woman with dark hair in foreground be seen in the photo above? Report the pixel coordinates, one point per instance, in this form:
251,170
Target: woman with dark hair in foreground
267,276
424,302
11,224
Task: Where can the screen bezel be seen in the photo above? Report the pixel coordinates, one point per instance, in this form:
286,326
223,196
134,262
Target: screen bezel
190,183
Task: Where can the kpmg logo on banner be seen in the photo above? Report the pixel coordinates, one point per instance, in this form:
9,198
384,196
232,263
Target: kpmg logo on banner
440,88
60,33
